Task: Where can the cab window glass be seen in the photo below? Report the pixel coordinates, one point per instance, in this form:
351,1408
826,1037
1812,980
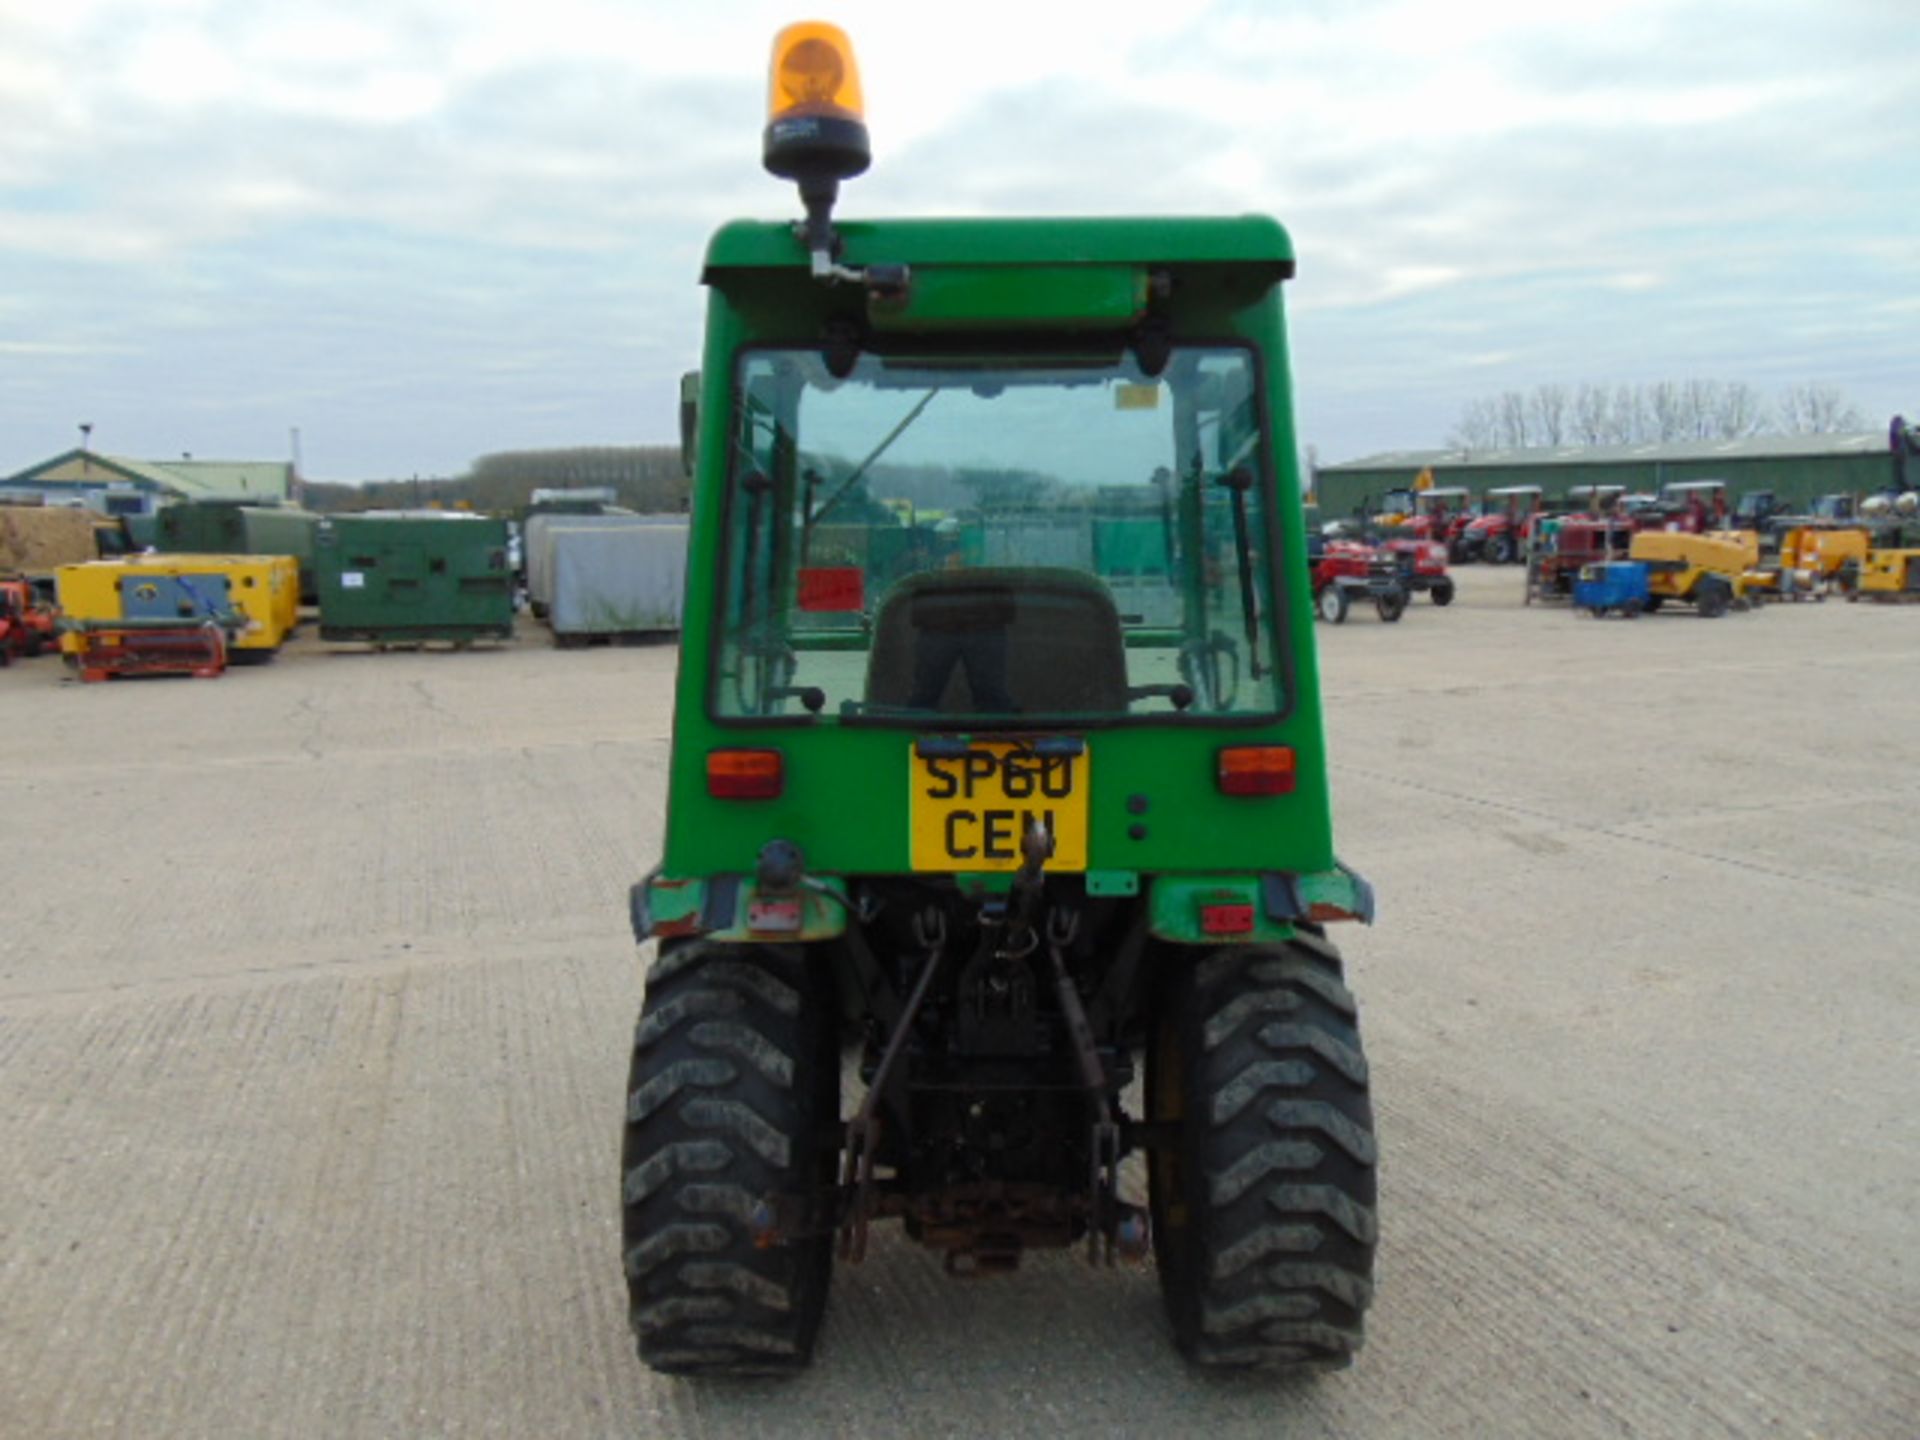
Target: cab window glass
1000,539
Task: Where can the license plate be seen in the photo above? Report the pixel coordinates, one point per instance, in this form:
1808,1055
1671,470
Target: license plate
969,810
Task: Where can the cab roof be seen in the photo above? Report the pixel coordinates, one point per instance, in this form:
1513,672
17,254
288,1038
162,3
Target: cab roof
1248,240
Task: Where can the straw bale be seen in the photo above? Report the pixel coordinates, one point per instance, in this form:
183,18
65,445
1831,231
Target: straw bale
38,539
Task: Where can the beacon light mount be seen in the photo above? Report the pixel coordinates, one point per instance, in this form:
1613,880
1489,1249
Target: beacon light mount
816,131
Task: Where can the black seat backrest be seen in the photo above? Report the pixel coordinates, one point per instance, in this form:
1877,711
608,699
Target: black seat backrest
999,641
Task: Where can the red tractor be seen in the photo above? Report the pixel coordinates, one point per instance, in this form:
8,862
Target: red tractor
26,626
1423,566
1344,571
1578,540
1440,512
1691,506
1499,536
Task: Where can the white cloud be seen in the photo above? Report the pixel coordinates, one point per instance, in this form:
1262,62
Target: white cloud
463,210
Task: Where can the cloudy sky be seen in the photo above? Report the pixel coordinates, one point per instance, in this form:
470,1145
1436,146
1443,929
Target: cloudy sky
423,230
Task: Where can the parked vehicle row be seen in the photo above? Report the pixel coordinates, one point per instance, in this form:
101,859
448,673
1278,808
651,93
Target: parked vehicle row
1504,525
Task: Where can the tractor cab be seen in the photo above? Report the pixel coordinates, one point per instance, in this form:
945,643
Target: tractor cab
1755,510
1397,506
1426,514
1695,507
1834,509
1594,499
998,762
1499,534
1440,511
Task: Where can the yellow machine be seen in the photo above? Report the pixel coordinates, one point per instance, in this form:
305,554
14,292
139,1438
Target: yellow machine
1824,552
1813,559
1707,572
1746,541
255,598
1889,575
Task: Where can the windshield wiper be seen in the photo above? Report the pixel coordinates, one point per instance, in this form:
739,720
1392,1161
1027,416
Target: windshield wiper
1239,481
866,464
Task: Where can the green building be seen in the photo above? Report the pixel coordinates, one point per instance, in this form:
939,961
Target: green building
1796,468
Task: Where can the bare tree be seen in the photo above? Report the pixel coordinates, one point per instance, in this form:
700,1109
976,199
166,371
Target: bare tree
1627,425
1818,410
1513,420
1699,408
1592,406
1666,410
1547,408
1742,412
1478,427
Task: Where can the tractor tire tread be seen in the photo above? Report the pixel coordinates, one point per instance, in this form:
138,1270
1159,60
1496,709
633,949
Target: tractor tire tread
1270,1260
735,1075
1258,1163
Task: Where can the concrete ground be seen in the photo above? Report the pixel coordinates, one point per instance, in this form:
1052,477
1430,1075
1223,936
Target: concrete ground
316,991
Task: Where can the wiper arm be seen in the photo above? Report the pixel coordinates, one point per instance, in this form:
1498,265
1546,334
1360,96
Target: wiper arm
1239,480
877,451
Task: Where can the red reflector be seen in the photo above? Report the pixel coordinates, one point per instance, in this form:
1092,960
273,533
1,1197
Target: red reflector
1226,919
1256,770
744,774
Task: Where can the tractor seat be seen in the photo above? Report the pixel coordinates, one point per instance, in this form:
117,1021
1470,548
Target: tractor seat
998,642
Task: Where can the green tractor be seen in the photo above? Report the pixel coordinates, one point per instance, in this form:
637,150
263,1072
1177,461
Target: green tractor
998,783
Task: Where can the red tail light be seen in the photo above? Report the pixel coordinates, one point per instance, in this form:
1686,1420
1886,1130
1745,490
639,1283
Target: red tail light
745,774
1226,919
1256,770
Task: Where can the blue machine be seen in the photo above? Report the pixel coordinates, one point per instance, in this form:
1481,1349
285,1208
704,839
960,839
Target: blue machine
1619,585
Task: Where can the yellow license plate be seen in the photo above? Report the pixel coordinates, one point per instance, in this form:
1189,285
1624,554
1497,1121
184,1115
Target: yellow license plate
968,810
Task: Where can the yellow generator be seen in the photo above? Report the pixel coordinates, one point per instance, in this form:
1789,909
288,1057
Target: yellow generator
255,599
1813,559
1704,571
1889,575
1824,552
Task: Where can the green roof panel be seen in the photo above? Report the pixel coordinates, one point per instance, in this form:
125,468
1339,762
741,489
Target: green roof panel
1219,240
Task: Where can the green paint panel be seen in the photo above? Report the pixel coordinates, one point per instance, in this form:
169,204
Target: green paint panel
1037,297
1255,241
396,579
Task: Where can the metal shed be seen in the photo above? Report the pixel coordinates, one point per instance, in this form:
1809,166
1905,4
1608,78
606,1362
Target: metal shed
1796,468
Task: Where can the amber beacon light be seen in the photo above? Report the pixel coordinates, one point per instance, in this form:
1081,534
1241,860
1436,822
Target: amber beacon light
816,120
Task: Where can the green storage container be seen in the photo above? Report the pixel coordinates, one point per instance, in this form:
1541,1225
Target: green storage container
392,579
199,527
220,527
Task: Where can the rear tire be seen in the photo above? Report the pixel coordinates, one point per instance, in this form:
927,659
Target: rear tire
734,1098
1713,600
1263,1210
